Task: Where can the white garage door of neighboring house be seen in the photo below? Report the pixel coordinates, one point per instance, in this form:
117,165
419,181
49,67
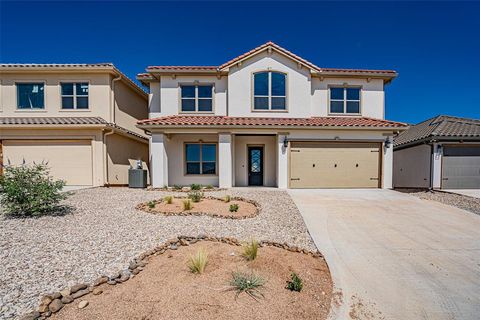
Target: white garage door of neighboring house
461,167
69,160
334,165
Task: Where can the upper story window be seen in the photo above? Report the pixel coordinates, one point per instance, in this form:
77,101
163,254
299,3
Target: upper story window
269,91
197,98
345,100
30,96
74,95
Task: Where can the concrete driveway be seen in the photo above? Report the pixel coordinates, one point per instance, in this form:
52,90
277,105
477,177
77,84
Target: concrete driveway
394,256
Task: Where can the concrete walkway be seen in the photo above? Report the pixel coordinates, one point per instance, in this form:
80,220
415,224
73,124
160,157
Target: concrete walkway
394,256
475,193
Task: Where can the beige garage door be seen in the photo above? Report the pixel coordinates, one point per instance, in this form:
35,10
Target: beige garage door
69,160
334,165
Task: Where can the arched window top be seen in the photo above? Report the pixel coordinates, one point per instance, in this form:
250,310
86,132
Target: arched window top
269,91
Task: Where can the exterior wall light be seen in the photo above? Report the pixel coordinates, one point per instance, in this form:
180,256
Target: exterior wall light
388,143
285,143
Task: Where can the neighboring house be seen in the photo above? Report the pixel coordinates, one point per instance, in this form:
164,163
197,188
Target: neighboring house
79,117
269,118
441,153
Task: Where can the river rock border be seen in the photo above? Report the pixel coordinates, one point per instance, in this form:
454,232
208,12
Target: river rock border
52,303
144,207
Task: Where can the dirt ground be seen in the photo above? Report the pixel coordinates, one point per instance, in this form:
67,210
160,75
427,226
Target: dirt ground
166,289
213,207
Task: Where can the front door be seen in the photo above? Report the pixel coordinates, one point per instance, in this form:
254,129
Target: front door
255,166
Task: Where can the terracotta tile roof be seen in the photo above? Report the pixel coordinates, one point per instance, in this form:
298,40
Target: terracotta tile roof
63,121
438,127
320,122
275,46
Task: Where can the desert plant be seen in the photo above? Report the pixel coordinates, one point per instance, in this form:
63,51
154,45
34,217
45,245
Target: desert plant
187,205
151,204
177,187
168,199
250,250
295,284
195,186
248,283
227,198
28,190
209,187
198,261
195,195
233,207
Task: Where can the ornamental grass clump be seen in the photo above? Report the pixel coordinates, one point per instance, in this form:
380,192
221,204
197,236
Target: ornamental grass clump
168,199
233,207
250,250
195,186
295,284
187,205
198,261
28,190
195,196
227,198
249,283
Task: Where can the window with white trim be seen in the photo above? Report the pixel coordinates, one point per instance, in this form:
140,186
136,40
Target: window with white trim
197,98
30,96
345,100
200,158
269,91
74,95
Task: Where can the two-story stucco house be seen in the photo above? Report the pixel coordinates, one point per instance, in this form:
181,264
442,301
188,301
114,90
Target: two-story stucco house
269,118
80,118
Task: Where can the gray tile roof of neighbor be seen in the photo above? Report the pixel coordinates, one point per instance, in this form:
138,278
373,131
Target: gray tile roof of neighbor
440,127
62,121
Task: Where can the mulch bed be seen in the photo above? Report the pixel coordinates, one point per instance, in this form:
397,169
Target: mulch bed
166,289
209,206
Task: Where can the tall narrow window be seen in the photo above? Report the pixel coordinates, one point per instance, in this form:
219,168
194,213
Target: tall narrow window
74,95
269,91
345,100
201,158
197,98
30,96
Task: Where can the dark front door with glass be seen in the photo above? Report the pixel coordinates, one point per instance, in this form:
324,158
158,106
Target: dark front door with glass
255,166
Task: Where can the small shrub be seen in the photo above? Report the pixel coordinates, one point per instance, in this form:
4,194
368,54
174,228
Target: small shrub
248,283
187,205
151,204
177,187
195,186
168,199
198,261
233,207
28,190
250,250
295,284
195,196
209,187
227,198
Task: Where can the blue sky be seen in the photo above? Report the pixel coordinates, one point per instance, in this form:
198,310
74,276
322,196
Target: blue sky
435,46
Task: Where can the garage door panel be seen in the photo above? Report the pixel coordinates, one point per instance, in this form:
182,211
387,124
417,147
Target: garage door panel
461,172
323,165
69,160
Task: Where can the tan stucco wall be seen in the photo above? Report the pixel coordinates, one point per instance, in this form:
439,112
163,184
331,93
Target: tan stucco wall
130,106
241,159
123,152
95,136
176,160
411,167
99,94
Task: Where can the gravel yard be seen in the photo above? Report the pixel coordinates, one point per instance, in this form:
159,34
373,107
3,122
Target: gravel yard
105,231
460,201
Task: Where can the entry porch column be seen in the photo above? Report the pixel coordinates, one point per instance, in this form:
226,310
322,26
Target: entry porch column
158,160
225,161
282,161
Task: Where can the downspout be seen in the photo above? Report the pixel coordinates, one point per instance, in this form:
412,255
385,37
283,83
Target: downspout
105,156
432,154
112,100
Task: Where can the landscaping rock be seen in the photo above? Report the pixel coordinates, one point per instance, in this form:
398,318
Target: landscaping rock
43,308
132,265
67,299
97,291
82,304
80,293
31,316
55,305
100,281
173,247
66,292
46,300
78,287
112,282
